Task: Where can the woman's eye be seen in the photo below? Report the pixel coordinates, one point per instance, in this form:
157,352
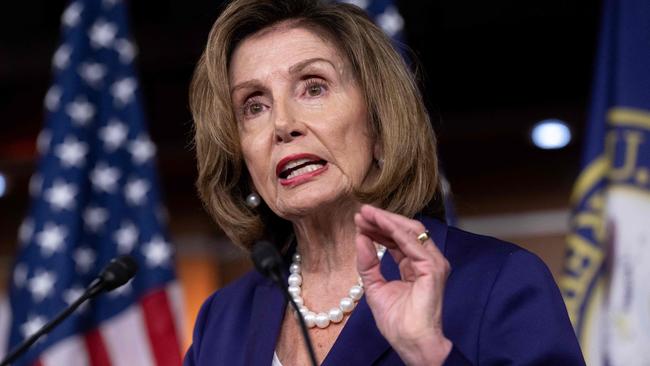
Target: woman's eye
315,88
255,108
252,107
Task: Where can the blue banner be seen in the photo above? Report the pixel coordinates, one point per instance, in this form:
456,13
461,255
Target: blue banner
606,285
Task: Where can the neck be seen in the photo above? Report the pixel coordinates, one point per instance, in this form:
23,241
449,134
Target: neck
326,241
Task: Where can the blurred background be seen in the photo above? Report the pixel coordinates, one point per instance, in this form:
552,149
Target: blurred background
490,72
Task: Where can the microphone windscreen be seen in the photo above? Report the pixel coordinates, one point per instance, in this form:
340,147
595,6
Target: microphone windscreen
118,272
266,257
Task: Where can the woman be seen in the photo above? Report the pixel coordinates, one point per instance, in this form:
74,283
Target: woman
310,130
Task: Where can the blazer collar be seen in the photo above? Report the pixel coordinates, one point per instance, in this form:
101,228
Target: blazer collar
360,342
268,310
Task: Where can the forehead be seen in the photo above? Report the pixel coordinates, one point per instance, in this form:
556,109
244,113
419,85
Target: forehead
277,48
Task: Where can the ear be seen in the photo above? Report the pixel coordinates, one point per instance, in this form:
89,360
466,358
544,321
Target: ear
378,151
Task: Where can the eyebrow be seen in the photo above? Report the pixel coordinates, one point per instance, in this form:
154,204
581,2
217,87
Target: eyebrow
294,69
303,64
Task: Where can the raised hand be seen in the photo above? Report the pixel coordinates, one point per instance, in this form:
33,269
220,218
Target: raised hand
408,312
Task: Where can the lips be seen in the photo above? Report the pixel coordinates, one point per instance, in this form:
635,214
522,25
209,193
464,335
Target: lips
294,167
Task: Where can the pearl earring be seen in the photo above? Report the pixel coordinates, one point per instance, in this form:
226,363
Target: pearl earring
380,163
253,200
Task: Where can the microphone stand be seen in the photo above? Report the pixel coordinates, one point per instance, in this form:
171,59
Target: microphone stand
118,271
93,290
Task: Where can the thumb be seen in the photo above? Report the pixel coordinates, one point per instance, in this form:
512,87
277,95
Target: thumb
368,263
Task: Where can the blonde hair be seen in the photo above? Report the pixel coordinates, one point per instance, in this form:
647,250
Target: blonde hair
408,182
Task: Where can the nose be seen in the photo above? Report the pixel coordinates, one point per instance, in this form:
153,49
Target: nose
287,127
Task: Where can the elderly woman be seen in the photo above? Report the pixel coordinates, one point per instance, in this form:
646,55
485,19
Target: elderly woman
310,131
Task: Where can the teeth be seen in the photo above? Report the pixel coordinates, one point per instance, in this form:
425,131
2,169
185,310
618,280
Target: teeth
295,163
304,170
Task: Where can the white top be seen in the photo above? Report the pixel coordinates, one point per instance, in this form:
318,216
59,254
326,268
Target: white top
276,360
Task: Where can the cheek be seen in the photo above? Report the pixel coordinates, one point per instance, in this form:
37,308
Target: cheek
351,144
255,158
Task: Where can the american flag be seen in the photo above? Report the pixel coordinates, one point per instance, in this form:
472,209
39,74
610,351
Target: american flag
95,196
386,15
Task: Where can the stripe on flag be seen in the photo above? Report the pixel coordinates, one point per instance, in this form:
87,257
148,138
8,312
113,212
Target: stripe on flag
126,338
161,329
177,306
96,348
70,352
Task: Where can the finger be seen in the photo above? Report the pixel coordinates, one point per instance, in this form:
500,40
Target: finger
406,241
376,234
414,226
409,224
368,263
372,230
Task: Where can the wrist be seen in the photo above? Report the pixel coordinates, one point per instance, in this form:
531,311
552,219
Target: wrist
432,350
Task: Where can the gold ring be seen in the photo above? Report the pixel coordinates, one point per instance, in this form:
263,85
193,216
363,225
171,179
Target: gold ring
422,238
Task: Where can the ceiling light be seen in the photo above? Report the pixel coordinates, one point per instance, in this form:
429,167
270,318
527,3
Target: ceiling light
551,134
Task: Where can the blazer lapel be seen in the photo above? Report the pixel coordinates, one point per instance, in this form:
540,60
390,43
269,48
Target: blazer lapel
266,318
360,342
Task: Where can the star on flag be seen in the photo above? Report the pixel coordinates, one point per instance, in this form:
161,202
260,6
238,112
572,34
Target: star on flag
80,111
142,149
126,49
61,57
105,178
32,326
102,34
123,90
71,152
72,14
84,259
94,217
53,98
41,285
51,239
113,134
61,196
92,73
126,237
135,191
157,252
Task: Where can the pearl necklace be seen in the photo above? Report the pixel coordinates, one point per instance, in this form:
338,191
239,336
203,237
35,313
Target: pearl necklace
334,315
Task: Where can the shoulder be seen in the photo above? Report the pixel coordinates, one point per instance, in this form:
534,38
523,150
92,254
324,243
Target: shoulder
492,269
498,295
226,311
471,244
466,251
471,252
241,289
231,300
478,265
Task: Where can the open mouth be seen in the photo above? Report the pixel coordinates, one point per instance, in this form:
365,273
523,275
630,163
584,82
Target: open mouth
300,167
297,166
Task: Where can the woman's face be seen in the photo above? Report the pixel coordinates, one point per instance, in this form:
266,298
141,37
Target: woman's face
302,118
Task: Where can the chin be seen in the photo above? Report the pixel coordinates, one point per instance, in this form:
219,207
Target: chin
311,203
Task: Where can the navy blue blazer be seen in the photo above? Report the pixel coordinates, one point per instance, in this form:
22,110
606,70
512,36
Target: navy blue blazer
501,307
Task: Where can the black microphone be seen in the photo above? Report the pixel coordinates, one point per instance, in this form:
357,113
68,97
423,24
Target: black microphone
116,273
269,263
